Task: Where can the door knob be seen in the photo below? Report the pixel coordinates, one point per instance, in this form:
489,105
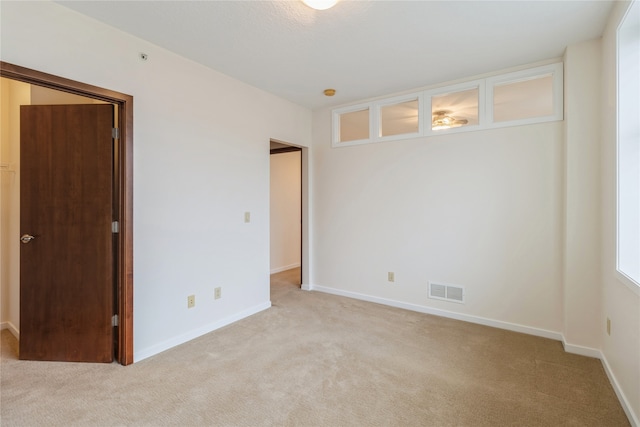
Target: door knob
26,238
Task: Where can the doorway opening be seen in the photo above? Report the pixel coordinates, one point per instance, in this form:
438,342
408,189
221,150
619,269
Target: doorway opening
122,188
286,213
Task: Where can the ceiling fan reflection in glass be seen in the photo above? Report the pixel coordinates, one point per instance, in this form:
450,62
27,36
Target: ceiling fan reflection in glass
454,109
442,120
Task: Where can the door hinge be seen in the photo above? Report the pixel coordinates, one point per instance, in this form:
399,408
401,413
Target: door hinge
115,133
115,227
114,320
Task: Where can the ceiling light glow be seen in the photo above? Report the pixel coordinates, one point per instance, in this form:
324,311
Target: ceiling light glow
320,4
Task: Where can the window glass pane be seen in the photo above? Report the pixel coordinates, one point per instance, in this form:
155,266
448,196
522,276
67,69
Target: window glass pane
523,99
629,145
354,125
397,119
454,109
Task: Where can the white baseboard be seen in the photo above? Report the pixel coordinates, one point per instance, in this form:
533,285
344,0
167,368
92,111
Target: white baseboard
183,338
442,313
12,328
581,350
569,348
285,268
634,419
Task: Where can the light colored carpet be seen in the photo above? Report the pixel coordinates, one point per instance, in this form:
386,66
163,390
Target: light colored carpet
320,360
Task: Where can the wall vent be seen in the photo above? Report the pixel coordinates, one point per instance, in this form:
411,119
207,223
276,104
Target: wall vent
444,292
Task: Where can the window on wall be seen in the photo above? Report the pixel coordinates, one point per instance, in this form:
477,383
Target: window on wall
528,96
400,117
455,107
628,166
513,100
353,125
524,97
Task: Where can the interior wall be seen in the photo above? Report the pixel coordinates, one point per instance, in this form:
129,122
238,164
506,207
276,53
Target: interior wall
620,300
285,224
581,266
14,94
198,167
481,210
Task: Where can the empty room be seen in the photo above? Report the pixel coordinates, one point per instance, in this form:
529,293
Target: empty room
460,245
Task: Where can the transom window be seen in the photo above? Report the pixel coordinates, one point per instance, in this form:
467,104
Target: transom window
524,97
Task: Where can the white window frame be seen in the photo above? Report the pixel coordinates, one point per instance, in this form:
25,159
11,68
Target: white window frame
625,278
485,107
336,124
428,110
555,70
377,117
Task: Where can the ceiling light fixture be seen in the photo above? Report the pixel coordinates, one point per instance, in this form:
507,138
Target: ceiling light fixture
320,4
329,92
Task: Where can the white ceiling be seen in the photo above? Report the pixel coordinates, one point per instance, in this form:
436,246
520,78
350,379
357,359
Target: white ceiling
362,49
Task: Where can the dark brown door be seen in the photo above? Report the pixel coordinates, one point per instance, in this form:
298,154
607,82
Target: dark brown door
66,269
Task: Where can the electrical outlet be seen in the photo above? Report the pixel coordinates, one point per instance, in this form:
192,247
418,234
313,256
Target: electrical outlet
391,276
247,217
608,326
191,301
217,293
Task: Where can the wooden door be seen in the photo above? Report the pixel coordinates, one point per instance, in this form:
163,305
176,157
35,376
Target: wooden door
66,270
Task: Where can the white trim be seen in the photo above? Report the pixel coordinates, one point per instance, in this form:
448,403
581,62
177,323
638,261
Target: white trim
12,328
628,282
285,268
624,402
556,73
581,350
376,136
485,106
188,336
335,116
460,87
442,313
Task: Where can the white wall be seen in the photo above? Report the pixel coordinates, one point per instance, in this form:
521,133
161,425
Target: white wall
620,301
486,210
201,159
285,211
581,273
523,217
477,209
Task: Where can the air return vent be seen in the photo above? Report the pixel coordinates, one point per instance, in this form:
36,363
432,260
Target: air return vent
446,292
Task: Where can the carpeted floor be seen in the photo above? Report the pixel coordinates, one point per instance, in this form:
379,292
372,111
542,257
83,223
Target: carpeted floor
320,360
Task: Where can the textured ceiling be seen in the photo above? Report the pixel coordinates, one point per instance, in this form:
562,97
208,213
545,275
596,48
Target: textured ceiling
362,49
